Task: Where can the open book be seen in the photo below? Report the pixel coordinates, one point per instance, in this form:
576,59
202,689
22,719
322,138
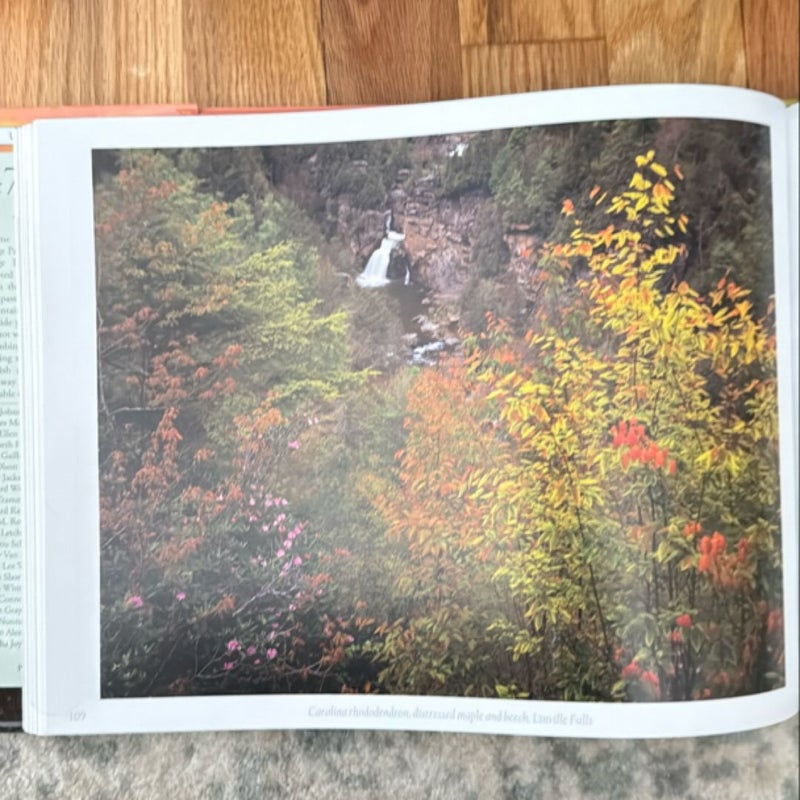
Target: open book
473,416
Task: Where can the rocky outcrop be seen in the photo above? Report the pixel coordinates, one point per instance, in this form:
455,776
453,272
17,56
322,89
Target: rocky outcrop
437,246
440,230
438,239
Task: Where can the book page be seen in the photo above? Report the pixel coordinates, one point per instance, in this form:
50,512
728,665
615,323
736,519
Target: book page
794,240
469,423
10,523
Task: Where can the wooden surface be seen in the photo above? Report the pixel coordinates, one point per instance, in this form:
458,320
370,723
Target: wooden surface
307,52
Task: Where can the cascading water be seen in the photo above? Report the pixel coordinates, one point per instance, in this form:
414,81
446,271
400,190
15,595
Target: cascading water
420,338
374,273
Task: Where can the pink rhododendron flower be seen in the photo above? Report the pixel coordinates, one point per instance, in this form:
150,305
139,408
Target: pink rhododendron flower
298,561
648,676
272,653
180,596
233,646
294,445
281,553
227,666
631,670
257,661
134,601
251,651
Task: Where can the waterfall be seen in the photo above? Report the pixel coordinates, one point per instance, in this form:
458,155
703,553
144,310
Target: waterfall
374,273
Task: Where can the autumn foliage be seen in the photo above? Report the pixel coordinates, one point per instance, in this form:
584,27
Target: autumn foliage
614,472
580,502
210,581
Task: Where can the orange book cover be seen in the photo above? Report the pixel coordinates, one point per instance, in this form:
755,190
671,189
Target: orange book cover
20,116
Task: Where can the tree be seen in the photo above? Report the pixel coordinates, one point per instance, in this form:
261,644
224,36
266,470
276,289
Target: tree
612,474
207,328
435,642
644,423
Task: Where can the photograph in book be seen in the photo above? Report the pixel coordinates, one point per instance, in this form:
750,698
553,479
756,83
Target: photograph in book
480,415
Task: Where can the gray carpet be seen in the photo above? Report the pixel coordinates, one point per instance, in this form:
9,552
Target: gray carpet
361,765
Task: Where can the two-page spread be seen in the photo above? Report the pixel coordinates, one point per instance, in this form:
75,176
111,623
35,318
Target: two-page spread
471,416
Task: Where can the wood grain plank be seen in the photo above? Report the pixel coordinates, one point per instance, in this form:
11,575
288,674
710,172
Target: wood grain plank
391,51
44,58
20,49
244,53
92,52
100,51
141,47
682,40
473,21
525,21
503,69
771,46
